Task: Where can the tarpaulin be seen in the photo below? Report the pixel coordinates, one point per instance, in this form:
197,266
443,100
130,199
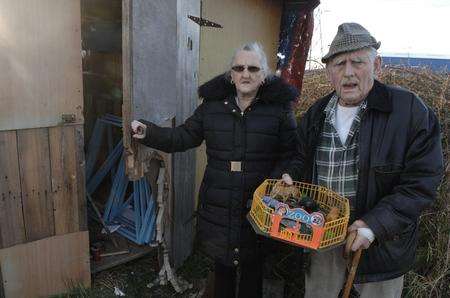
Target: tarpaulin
297,25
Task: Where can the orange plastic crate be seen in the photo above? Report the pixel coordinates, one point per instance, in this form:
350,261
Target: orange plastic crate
266,222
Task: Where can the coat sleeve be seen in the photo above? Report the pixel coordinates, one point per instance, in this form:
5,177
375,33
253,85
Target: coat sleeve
418,181
287,142
186,136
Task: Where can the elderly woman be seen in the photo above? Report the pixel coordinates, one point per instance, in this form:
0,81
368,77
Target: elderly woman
247,122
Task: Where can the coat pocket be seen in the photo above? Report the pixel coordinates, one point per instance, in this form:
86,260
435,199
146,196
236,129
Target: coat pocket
386,178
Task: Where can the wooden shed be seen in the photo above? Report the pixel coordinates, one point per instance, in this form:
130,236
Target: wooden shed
43,226
67,62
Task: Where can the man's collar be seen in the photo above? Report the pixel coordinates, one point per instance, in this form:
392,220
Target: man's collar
331,108
378,98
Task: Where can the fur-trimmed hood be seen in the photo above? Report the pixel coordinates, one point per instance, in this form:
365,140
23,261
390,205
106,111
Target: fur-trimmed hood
274,89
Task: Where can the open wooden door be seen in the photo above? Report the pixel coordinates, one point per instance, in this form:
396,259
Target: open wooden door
160,77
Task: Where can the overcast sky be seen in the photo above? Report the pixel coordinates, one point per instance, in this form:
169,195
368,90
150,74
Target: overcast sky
415,27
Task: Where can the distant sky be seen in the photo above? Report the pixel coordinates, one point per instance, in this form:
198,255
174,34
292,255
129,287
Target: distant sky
415,27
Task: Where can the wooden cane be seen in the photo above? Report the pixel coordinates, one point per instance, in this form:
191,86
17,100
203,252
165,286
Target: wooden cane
353,266
351,273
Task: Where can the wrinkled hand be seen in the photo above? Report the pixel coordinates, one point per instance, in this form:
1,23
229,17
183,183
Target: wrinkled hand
286,178
364,235
139,129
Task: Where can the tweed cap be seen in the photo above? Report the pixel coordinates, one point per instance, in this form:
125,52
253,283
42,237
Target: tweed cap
350,37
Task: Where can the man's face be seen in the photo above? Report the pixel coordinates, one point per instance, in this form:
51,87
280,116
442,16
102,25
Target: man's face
352,75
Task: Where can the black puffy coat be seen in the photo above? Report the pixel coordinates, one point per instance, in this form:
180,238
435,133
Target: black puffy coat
400,167
262,138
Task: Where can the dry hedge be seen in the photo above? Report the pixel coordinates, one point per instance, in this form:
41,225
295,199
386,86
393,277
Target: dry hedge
431,274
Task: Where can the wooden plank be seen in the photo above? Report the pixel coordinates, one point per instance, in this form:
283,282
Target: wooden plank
12,229
135,252
46,267
41,63
127,88
67,178
2,290
150,64
81,178
34,165
154,59
169,205
188,45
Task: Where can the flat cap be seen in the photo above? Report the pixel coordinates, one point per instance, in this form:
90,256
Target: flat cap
350,37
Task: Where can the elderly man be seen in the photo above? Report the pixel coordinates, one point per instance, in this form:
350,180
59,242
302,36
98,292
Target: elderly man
380,147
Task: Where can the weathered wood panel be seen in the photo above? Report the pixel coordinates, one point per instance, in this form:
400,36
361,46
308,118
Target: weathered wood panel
46,267
40,62
67,177
81,178
127,79
11,219
160,64
2,290
34,165
243,21
150,68
188,44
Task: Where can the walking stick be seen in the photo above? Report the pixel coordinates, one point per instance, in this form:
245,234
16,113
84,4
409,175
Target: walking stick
347,289
351,274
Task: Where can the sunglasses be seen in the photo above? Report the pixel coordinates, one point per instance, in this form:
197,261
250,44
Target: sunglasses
241,68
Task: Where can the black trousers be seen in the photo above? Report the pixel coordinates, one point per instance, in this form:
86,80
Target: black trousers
249,285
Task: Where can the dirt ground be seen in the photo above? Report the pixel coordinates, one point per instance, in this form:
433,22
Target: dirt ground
283,277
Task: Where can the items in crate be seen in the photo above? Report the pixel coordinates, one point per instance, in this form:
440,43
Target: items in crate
317,220
295,218
333,214
281,190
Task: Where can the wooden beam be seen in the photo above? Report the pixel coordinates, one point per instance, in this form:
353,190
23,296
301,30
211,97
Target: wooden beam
34,164
80,165
12,230
67,178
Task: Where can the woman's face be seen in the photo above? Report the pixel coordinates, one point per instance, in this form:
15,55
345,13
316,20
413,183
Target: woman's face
246,73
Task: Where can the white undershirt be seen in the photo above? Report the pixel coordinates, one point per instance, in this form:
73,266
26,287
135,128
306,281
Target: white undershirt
343,123
344,120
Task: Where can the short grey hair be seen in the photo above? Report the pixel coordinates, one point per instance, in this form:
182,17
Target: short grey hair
373,53
252,47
